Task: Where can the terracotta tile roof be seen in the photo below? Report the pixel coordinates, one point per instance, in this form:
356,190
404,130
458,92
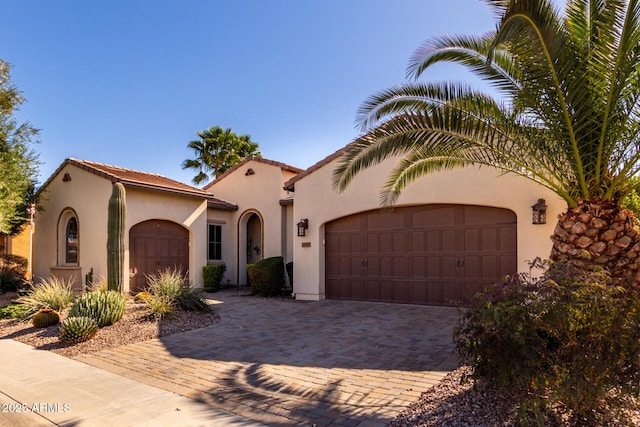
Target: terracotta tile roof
144,180
282,166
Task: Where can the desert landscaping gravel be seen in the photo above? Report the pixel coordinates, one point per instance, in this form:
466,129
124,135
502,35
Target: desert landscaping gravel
452,402
136,325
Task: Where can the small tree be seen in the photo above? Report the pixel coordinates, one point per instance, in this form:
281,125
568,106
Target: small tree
217,151
19,162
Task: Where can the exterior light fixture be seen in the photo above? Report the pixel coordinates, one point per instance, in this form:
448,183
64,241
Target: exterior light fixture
302,227
539,212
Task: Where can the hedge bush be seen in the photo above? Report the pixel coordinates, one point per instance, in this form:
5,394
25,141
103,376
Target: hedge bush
12,272
568,340
267,276
212,276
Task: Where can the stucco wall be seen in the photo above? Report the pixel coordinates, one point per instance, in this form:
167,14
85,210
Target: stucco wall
258,193
88,196
316,200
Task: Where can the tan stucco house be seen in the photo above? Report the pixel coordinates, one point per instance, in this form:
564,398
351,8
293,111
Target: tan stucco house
450,234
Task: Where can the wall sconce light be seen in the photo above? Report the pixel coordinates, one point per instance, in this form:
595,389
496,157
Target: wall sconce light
302,227
539,212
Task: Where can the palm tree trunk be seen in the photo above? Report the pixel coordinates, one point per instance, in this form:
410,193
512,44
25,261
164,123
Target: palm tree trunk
599,233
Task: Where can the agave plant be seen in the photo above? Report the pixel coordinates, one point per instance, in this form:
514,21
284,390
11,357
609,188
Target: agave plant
566,114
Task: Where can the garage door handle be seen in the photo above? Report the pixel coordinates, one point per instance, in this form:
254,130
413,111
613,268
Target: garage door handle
364,263
459,263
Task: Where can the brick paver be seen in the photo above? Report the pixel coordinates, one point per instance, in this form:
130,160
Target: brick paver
338,363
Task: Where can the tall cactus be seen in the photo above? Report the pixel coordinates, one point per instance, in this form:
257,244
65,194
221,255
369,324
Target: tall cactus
115,238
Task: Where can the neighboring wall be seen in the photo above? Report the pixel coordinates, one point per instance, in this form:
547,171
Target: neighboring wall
316,200
18,245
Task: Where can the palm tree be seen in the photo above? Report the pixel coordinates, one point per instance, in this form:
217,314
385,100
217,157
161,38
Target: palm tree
566,116
217,151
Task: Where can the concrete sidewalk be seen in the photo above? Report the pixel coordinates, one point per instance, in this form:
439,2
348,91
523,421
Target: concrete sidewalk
41,388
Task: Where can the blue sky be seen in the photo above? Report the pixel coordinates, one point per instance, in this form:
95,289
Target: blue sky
130,82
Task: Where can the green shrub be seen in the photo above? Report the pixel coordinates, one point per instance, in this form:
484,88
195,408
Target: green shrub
105,307
45,317
212,276
49,293
12,272
77,329
169,282
13,311
172,288
160,306
191,300
568,339
267,277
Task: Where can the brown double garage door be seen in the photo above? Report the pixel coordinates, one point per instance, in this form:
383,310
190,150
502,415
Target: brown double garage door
429,254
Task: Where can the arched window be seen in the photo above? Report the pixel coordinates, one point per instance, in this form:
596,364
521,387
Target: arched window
71,244
68,238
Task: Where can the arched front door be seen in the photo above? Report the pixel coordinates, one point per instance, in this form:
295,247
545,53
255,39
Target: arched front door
251,247
154,246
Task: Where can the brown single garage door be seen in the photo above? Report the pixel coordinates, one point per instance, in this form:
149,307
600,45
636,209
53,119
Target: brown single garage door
429,254
154,246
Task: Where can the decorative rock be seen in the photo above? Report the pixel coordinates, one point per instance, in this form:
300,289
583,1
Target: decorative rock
568,225
598,223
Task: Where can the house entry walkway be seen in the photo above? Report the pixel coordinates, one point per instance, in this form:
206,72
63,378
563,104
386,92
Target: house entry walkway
338,363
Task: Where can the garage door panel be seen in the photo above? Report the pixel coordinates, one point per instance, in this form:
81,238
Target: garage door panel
508,235
385,221
401,267
489,267
431,254
449,242
373,290
419,292
434,240
419,267
435,292
506,263
472,239
402,291
490,239
418,241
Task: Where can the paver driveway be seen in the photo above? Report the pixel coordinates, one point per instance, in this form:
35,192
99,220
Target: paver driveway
338,363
